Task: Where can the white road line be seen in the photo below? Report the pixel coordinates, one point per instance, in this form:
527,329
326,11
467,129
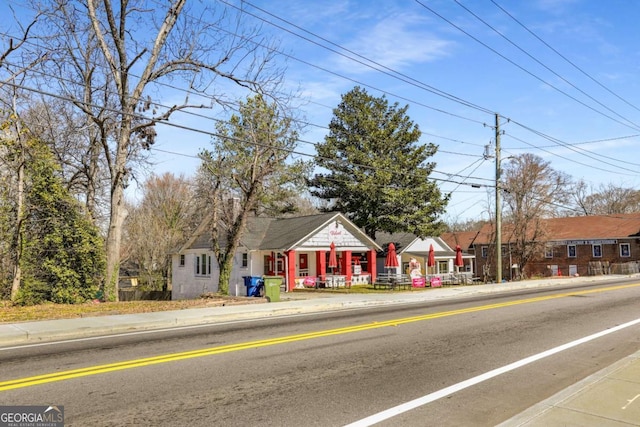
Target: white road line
629,402
432,397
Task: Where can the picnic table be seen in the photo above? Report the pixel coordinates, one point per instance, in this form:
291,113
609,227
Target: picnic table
392,282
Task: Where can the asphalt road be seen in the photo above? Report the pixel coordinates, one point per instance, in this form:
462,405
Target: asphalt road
336,369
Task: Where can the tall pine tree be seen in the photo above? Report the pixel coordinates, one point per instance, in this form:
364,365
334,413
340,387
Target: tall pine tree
378,172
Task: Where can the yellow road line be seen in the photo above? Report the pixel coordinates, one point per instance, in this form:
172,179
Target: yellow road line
136,363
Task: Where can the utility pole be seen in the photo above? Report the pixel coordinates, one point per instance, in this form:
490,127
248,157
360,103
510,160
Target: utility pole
498,206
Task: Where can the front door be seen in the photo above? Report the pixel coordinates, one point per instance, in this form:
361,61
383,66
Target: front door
303,264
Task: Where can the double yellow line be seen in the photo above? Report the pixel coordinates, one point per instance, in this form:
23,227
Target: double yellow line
172,357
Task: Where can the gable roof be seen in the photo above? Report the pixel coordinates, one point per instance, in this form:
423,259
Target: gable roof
463,238
287,233
400,240
279,234
617,226
410,243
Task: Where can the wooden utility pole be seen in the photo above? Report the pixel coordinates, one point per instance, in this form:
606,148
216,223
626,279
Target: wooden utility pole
498,206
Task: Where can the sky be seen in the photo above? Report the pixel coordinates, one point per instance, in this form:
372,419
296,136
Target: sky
561,74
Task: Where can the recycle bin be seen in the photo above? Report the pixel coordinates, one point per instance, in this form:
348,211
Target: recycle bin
254,285
272,288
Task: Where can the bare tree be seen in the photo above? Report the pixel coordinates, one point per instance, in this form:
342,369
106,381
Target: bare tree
14,143
88,101
84,172
130,50
12,46
455,224
250,163
14,161
607,199
533,190
163,219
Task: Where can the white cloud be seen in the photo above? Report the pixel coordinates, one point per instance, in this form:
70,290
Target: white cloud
555,6
395,42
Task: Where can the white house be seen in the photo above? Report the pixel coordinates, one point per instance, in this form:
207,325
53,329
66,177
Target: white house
409,246
297,248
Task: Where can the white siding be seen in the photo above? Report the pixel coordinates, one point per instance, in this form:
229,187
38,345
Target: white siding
236,283
422,245
186,284
343,239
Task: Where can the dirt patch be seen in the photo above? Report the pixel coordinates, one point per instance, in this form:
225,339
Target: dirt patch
13,314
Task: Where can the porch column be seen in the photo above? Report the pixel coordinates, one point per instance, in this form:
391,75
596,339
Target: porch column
321,264
371,263
346,264
291,270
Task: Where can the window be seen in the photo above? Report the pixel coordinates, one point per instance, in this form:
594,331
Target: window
405,267
364,263
548,251
571,251
625,250
443,267
267,263
181,260
245,260
597,251
203,265
485,251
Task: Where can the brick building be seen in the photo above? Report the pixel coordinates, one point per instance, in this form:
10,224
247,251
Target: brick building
584,245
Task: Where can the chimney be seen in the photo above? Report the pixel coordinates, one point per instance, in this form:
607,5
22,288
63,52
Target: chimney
234,208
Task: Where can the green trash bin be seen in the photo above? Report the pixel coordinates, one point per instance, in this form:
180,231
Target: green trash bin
272,288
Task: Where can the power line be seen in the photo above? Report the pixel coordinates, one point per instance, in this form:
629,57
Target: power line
522,68
452,139
358,82
306,63
565,58
544,65
594,141
307,142
571,160
579,150
395,72
212,134
194,114
362,59
479,163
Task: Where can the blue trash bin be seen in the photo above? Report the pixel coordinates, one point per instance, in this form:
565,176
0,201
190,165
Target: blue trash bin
254,285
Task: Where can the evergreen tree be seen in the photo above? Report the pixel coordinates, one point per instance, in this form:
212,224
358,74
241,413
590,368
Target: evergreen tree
63,253
378,173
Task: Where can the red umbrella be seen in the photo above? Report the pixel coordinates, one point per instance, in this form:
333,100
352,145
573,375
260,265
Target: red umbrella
458,262
392,258
333,260
432,257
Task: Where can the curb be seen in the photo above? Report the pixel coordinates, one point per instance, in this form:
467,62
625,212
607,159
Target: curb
85,327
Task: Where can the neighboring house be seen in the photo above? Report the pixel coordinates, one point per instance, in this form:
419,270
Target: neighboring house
409,246
464,239
584,245
297,249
